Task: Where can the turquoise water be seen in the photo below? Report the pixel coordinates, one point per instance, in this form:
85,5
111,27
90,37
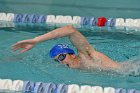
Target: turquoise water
96,8
36,65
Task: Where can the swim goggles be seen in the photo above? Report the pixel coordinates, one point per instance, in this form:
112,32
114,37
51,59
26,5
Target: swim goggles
61,57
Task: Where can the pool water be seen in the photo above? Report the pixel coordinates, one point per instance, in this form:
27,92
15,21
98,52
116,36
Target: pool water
35,65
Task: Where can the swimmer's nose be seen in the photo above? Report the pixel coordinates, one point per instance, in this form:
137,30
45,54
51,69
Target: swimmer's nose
64,62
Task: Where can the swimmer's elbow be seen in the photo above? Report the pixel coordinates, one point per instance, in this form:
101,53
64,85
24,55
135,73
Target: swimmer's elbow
71,28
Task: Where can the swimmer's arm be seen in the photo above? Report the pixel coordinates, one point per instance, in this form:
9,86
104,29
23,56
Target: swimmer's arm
78,40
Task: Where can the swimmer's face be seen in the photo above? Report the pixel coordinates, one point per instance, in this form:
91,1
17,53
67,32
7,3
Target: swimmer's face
65,58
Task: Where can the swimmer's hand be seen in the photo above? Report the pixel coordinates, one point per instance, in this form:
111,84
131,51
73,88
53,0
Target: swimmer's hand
25,45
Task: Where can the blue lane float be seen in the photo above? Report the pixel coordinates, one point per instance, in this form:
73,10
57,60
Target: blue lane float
133,91
85,21
61,88
110,22
18,18
35,19
39,88
28,86
49,87
24,17
120,90
93,21
90,21
42,19
28,18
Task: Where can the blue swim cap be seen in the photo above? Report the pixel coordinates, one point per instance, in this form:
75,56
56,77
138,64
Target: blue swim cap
59,49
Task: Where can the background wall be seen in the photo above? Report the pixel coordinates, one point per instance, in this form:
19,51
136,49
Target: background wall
107,8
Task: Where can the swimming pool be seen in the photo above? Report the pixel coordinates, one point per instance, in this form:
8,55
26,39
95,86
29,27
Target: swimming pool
120,44
35,65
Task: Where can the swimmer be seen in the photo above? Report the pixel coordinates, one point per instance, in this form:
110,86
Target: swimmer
87,57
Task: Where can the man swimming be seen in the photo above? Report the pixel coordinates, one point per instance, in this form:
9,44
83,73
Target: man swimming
87,56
